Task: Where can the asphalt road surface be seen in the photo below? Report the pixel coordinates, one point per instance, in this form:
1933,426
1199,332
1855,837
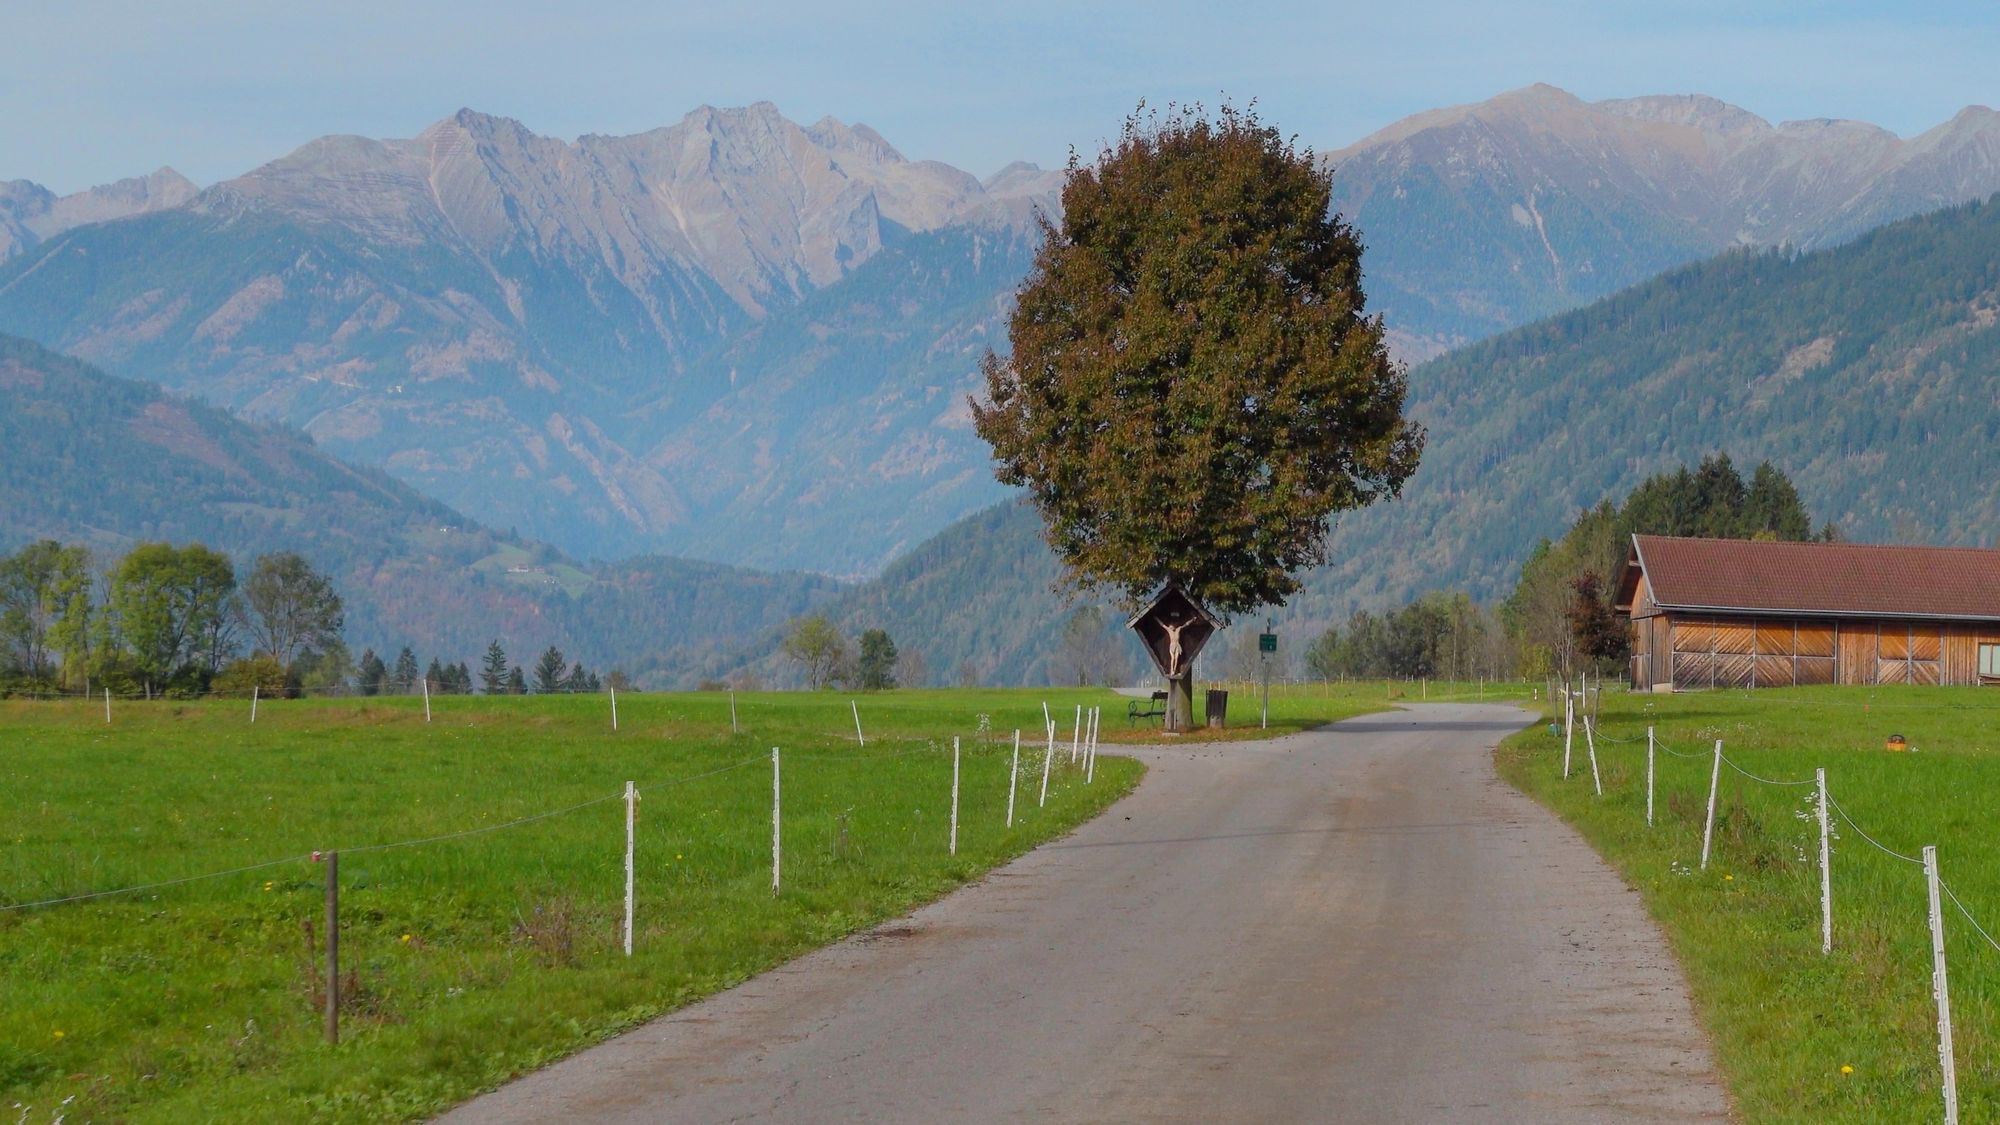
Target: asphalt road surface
1356,924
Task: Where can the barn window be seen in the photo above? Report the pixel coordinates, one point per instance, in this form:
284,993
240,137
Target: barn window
1989,660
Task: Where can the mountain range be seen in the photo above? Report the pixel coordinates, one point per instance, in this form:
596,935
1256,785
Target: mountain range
108,462
748,340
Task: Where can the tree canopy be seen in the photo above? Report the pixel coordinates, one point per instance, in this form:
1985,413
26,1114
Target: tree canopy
1194,389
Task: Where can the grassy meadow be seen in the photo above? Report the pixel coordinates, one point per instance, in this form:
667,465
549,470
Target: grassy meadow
475,958
1804,1037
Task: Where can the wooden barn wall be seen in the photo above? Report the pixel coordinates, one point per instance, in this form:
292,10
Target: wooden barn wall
1747,652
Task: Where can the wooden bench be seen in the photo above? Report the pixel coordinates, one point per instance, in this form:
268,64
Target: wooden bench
1156,707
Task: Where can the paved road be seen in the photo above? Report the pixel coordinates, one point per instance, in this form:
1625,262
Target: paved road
1357,924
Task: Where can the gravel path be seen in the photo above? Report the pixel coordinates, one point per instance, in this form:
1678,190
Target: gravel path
1355,924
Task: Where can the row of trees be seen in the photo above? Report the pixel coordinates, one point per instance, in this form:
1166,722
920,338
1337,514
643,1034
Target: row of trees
176,620
553,675
824,658
165,618
1440,635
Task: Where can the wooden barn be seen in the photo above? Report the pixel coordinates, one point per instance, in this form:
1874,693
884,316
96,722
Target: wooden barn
1737,613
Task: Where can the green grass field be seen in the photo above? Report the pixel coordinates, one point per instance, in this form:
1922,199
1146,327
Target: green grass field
479,957
475,958
1785,1019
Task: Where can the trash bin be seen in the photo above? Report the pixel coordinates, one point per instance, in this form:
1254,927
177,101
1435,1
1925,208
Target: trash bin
1218,708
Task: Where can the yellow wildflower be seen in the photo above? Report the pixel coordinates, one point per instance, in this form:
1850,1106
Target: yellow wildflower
406,939
1845,1069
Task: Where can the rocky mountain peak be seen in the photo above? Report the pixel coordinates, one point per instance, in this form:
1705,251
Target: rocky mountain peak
1698,111
31,213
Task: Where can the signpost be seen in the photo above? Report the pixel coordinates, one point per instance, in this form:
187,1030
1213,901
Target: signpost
1267,643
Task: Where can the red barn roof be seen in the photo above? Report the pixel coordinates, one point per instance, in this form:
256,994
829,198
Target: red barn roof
1814,579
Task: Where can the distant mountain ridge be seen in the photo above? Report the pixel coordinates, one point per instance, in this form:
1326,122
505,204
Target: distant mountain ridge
1482,217
31,214
108,462
746,339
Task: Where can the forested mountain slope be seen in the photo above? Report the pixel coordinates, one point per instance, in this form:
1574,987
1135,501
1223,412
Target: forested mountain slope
91,458
1870,373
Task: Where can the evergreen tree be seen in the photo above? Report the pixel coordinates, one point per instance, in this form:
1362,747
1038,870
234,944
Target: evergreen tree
371,674
549,671
877,665
493,672
435,674
517,684
406,670
579,680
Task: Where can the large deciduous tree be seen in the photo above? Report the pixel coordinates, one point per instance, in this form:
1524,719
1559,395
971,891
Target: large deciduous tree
817,648
45,609
174,607
1195,389
292,607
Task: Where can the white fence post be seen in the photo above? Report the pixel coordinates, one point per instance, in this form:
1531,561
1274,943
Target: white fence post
1649,777
1014,777
1708,828
1590,742
254,690
1569,724
614,707
954,795
857,723
1076,735
1940,990
1047,756
631,819
107,705
777,843
732,711
427,699
1825,870
1090,755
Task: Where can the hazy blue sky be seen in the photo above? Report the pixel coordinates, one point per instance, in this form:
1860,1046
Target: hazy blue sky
91,90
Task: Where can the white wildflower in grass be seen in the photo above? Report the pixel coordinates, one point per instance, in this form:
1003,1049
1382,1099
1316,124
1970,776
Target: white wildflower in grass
1806,847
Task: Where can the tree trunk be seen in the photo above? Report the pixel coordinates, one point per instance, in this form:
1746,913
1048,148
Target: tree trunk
1180,700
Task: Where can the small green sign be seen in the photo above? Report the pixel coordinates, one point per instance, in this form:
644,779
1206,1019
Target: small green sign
1267,642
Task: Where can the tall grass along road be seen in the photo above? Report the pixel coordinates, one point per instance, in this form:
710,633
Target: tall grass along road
1358,923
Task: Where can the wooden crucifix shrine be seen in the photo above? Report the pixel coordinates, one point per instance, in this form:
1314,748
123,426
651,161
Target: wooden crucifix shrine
1174,627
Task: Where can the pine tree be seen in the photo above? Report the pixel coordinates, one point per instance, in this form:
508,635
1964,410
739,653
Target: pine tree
877,665
493,671
549,671
371,673
435,675
517,684
406,670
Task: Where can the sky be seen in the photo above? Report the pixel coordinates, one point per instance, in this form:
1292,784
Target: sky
94,90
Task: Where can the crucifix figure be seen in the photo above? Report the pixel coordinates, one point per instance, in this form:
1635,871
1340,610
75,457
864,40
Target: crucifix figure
1173,647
